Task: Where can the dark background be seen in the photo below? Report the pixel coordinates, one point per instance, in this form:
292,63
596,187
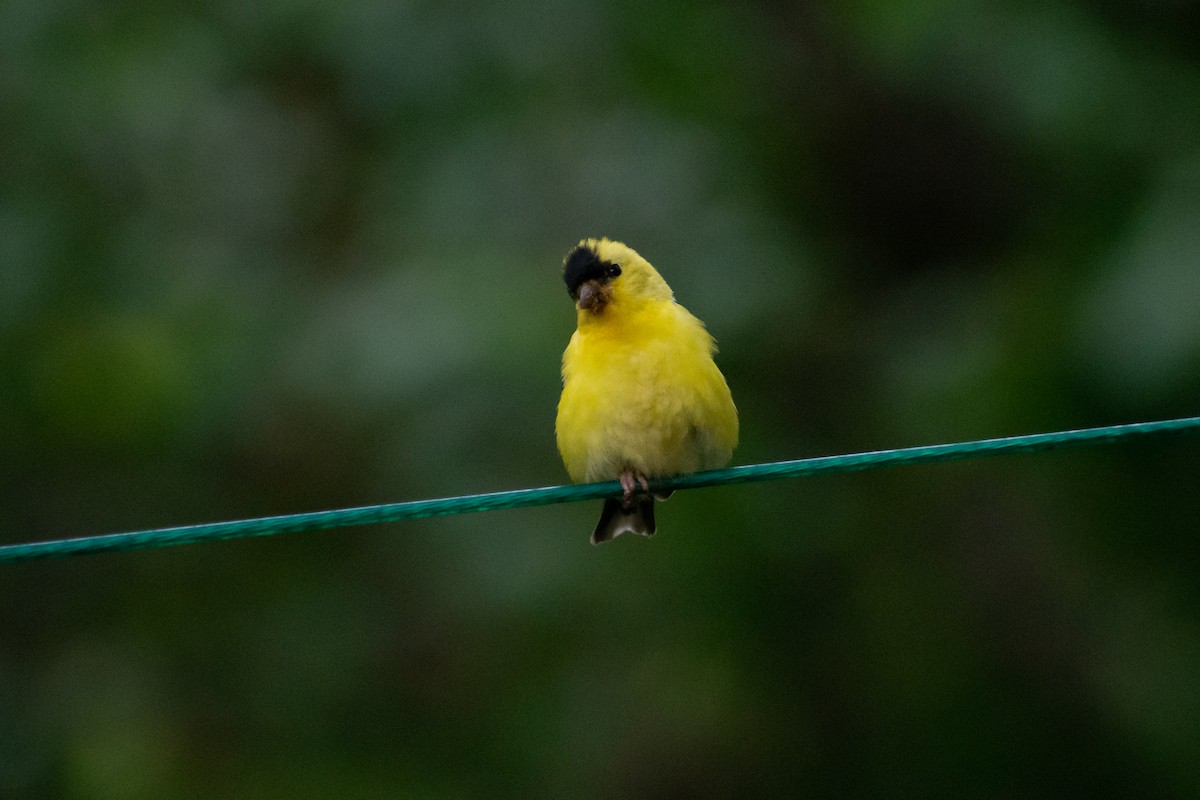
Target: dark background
268,258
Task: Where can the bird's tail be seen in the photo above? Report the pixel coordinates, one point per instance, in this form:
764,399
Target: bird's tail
615,519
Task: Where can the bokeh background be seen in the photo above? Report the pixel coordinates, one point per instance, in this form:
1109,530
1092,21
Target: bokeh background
268,258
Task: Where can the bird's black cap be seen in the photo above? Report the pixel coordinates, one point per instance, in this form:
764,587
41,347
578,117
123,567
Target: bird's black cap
582,264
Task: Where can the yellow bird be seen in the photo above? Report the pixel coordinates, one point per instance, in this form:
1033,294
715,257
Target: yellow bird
642,397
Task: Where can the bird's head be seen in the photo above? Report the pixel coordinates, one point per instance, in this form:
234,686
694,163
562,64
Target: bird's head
603,275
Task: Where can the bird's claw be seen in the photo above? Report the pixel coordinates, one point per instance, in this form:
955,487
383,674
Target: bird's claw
630,481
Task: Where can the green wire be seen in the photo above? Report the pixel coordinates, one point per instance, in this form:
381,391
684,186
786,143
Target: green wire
524,498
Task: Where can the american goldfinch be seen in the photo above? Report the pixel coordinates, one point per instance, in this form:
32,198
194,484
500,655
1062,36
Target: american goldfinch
642,397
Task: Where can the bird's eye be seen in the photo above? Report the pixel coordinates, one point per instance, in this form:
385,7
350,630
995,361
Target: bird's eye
613,271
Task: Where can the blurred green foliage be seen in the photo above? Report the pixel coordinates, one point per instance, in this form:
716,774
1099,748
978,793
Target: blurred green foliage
258,259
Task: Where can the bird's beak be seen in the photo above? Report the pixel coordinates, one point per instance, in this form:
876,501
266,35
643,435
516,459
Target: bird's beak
592,296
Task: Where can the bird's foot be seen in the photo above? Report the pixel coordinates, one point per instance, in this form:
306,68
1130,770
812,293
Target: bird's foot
630,481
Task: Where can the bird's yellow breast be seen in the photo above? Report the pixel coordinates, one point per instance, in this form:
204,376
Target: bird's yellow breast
641,392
